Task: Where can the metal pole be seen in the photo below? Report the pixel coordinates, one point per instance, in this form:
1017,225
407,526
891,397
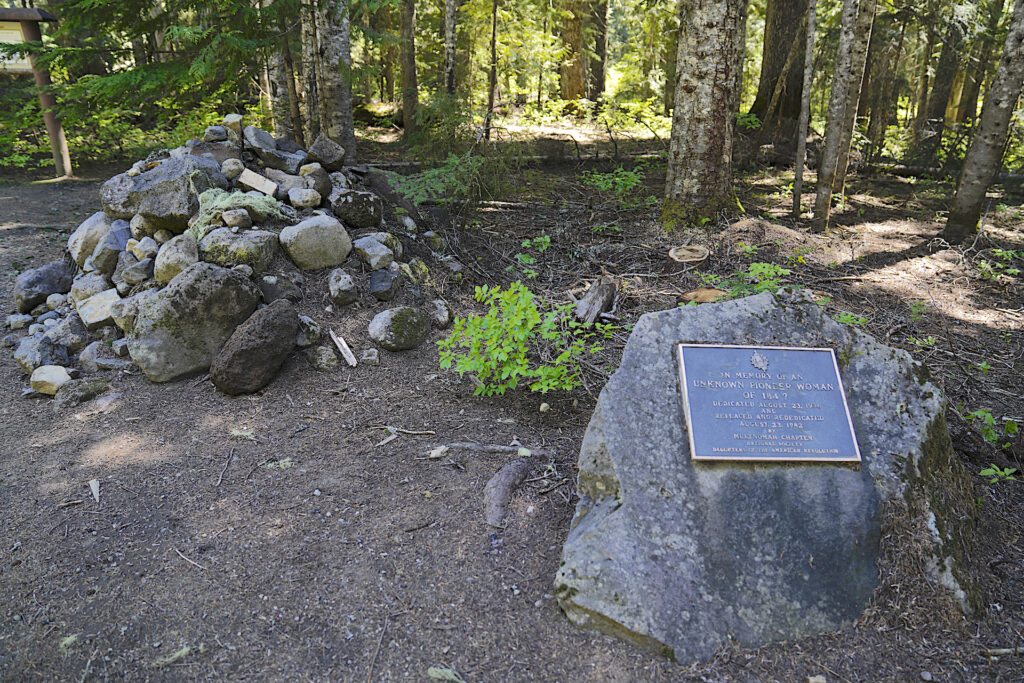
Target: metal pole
47,102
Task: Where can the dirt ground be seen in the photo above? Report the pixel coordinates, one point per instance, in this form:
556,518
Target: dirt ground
281,536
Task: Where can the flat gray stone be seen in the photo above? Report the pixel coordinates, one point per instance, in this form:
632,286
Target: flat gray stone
32,287
97,310
686,557
329,153
384,284
373,252
88,285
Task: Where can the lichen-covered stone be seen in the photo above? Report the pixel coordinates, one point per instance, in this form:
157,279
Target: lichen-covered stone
88,285
329,153
254,248
342,287
180,330
686,557
213,203
77,391
321,358
309,332
373,252
400,329
357,208
37,349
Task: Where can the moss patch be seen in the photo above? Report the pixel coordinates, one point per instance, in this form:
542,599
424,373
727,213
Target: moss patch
215,202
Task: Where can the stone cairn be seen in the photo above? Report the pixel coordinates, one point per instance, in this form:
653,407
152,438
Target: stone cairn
198,257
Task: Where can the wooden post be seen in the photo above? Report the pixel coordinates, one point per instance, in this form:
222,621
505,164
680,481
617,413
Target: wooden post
47,102
29,20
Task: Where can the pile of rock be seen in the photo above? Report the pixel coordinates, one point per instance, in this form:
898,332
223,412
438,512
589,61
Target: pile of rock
198,257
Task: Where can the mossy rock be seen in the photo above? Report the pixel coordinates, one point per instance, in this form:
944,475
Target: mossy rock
266,211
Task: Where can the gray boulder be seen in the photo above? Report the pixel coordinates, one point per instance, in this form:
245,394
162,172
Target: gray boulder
303,198
232,168
124,312
84,239
317,242
356,208
440,313
219,152
254,353
36,350
329,153
400,329
286,182
33,286
167,195
215,134
254,248
686,557
258,140
111,246
138,272
140,227
98,356
19,321
174,256
97,310
70,332
125,260
180,330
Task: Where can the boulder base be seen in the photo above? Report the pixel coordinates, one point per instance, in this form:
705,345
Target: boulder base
685,557
256,350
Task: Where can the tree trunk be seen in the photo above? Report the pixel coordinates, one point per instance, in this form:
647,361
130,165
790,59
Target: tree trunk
945,70
492,77
335,41
858,66
986,153
921,108
596,72
410,89
294,115
780,83
669,60
698,181
829,158
310,59
805,107
782,21
450,13
573,84
885,96
976,75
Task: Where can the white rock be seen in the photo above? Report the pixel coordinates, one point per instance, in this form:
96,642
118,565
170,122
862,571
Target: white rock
250,180
318,242
47,379
373,252
96,312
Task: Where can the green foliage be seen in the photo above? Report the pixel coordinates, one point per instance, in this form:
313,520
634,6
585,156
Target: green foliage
757,278
518,341
747,121
746,249
848,318
917,310
998,474
624,184
1002,264
989,427
457,178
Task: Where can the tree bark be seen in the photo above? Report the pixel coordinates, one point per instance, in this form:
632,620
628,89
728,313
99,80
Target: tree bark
410,89
780,83
782,21
885,99
976,75
921,108
698,180
310,59
805,107
573,82
294,115
986,153
945,70
858,66
451,8
596,73
280,108
492,77
335,42
829,159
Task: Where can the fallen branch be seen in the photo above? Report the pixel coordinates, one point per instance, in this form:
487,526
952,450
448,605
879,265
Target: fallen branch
490,448
500,488
346,352
192,562
597,300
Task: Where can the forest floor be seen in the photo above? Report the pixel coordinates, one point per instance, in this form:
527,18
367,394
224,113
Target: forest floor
282,536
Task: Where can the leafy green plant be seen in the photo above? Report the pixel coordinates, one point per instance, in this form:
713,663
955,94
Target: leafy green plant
747,121
538,244
989,427
926,341
600,229
457,178
998,474
624,184
917,310
983,366
519,341
848,318
799,255
746,249
758,277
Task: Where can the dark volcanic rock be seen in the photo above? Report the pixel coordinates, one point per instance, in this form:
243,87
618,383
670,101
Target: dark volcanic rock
255,352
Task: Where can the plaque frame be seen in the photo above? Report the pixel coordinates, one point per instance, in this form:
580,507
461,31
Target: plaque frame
855,458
